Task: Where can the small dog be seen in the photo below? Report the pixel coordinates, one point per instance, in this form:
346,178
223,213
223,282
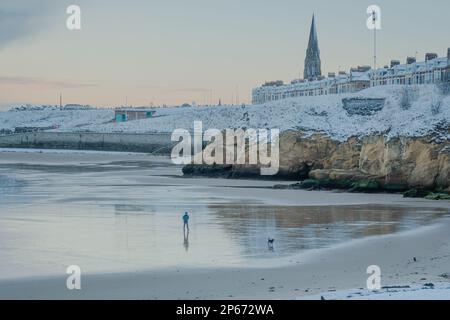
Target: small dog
270,243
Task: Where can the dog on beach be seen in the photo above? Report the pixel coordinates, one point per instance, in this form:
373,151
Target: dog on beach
270,243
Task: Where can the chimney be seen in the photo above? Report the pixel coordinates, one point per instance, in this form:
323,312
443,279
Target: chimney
332,74
430,56
364,68
394,63
342,73
410,60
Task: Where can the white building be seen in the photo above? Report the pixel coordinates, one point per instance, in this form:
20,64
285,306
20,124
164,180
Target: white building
433,70
354,81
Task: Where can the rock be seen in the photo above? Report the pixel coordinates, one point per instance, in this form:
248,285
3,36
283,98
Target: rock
348,175
396,164
206,170
423,158
320,174
363,106
317,151
281,187
366,186
310,184
416,193
414,162
296,186
243,172
438,196
395,187
343,179
443,177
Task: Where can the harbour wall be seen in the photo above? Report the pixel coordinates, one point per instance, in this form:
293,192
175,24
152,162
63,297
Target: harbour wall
158,143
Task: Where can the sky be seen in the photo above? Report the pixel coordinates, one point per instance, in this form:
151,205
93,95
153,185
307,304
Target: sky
142,52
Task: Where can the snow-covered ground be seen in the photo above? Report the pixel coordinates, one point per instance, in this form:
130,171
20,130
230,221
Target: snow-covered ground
425,292
70,120
428,110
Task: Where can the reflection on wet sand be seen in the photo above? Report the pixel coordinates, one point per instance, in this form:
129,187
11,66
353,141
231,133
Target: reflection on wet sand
119,216
186,239
299,228
10,185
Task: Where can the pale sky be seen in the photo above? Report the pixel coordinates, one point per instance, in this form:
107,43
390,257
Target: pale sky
176,51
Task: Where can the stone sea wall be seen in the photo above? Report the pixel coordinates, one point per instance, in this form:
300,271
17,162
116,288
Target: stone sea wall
149,143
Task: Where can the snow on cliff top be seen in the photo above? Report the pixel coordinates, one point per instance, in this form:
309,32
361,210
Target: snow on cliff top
67,120
428,110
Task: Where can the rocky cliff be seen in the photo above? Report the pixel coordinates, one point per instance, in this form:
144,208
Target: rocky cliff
395,163
377,162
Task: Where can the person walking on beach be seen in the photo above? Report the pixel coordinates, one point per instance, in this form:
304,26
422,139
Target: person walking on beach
186,221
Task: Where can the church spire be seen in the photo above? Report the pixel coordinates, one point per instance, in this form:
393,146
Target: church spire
312,61
313,33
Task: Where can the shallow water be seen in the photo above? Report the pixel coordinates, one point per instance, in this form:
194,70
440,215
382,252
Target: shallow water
126,216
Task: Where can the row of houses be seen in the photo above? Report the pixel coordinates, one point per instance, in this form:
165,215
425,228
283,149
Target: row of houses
431,71
353,81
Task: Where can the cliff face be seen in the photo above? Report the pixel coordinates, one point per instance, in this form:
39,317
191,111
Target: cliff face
410,162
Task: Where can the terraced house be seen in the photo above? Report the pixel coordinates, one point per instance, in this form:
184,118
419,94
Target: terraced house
431,71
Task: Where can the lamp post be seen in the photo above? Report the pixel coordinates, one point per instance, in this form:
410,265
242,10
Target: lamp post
374,20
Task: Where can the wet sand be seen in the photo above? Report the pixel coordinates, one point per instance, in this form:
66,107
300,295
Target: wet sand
318,272
102,209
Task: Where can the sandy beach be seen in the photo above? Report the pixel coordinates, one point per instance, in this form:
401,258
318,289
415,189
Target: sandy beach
321,272
126,258
185,153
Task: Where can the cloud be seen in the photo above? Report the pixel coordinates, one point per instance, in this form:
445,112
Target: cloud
37,82
20,19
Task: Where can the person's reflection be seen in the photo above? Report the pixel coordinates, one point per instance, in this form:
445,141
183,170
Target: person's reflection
186,239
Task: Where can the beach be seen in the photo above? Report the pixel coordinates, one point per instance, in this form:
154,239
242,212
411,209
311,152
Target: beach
321,272
118,216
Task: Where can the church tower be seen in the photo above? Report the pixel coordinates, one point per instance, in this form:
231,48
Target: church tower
312,60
